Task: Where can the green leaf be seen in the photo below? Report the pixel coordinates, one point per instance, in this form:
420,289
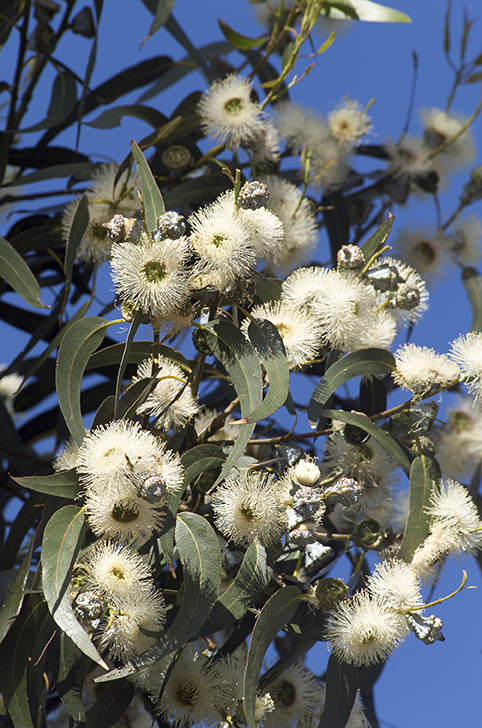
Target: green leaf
163,11
140,350
111,706
237,355
251,580
15,652
472,281
77,345
357,364
376,241
200,557
285,60
424,477
270,349
267,289
79,224
79,170
238,40
63,661
191,193
276,613
15,271
61,543
151,195
63,485
14,595
113,117
341,687
199,459
365,10
64,96
389,444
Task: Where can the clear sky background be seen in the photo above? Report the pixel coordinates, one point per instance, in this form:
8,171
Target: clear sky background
421,685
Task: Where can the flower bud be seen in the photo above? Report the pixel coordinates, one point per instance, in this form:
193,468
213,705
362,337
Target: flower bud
307,473
346,491
350,256
87,606
307,502
253,195
301,537
426,629
407,297
170,225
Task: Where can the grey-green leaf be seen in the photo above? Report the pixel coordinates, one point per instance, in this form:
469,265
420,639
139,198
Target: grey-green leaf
376,241
151,195
200,557
358,363
341,688
63,99
270,349
80,341
424,478
61,543
250,582
276,613
364,10
64,484
15,271
387,441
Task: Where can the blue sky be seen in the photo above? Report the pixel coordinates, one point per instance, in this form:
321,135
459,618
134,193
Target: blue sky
421,685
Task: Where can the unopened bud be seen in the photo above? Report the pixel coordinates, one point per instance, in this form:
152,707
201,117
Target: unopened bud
426,629
87,606
170,225
350,256
301,537
385,278
346,491
253,195
306,472
152,489
307,502
407,297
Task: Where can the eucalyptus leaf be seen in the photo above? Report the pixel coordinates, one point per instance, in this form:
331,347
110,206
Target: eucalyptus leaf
14,595
61,544
163,11
112,117
15,271
376,241
78,227
400,454
276,613
250,582
200,557
364,10
270,349
75,350
63,661
363,362
341,688
238,40
151,195
64,484
425,475
64,97
111,705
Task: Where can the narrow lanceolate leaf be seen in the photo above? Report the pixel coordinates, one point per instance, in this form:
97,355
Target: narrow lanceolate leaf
238,40
63,661
15,271
267,289
271,352
13,596
112,117
61,544
79,342
63,99
111,706
77,230
64,484
389,444
238,356
250,582
139,350
357,364
200,557
151,195
276,613
376,242
195,461
163,11
424,477
472,281
341,687
15,651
